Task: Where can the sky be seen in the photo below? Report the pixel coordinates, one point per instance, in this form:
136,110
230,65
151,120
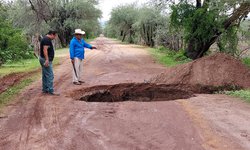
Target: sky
107,5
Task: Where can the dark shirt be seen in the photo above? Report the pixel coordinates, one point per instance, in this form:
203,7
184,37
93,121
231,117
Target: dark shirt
46,41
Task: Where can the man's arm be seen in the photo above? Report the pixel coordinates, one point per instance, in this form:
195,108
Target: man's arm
88,45
45,52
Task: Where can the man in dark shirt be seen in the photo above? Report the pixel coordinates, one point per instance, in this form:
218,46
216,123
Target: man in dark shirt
46,58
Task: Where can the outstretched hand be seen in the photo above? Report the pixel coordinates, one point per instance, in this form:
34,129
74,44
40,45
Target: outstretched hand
93,47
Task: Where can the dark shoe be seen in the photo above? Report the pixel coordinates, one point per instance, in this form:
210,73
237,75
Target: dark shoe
54,94
45,92
81,81
77,83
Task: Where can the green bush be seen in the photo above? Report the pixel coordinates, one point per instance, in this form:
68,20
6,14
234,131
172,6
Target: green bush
13,44
246,61
244,94
169,57
177,56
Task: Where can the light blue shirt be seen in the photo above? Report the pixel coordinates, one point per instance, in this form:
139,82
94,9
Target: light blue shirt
76,48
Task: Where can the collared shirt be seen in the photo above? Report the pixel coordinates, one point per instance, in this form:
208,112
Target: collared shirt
76,48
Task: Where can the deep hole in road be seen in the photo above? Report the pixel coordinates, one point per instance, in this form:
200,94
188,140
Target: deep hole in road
143,92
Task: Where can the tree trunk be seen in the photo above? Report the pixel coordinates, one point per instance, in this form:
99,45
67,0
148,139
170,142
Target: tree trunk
62,40
124,36
196,48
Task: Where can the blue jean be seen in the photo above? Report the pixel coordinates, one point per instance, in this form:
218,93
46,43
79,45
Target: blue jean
47,76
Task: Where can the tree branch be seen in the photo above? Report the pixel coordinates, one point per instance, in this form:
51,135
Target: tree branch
198,3
241,12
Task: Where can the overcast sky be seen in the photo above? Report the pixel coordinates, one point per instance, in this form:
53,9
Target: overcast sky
107,5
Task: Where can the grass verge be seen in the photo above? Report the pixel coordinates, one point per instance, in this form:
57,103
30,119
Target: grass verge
168,58
19,66
11,92
163,55
22,66
246,61
243,94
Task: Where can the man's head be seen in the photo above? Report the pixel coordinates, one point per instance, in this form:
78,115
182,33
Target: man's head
52,34
79,33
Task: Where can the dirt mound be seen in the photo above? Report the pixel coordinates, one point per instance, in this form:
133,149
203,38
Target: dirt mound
208,74
131,92
10,80
13,79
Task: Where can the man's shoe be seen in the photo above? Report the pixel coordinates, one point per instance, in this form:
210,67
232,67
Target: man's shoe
54,94
81,81
77,83
45,92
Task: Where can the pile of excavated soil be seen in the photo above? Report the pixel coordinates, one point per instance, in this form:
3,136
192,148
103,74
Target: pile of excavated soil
207,74
131,92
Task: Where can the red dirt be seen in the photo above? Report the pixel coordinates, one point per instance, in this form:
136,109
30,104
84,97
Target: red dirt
9,80
208,74
12,79
37,121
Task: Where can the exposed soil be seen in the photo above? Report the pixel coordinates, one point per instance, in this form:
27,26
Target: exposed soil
143,92
208,74
13,79
39,121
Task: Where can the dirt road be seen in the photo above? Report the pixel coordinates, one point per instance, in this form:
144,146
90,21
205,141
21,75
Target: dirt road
40,122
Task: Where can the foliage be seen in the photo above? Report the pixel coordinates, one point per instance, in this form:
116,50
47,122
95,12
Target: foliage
228,41
122,20
19,66
169,57
195,22
244,94
191,27
25,65
110,31
147,24
135,24
10,93
205,22
13,44
36,16
246,61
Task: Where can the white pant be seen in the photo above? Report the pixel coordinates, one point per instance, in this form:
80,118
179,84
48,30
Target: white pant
78,68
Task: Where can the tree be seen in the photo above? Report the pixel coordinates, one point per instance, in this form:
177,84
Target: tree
135,24
206,21
123,18
148,21
13,44
61,15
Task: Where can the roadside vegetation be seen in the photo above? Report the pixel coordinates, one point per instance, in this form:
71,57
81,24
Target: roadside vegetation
29,66
176,32
246,61
11,92
168,57
195,29
23,66
23,23
188,31
243,94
